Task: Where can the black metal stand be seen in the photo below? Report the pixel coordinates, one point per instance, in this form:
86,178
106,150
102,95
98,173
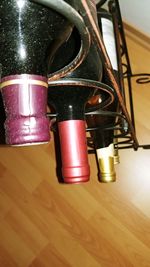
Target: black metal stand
124,135
141,78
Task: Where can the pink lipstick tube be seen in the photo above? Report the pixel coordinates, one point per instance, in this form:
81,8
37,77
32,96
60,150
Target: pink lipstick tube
75,167
25,102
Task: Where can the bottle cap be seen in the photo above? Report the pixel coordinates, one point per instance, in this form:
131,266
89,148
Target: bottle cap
25,102
116,156
106,164
107,170
75,167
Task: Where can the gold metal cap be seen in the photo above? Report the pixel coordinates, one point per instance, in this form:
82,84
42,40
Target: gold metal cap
116,153
116,156
107,170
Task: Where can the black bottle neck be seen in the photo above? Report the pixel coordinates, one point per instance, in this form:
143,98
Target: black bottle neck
101,139
69,101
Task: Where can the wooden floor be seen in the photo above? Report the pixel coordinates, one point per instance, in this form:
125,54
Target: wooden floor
47,224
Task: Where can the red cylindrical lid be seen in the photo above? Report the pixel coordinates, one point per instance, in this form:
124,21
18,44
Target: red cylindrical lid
75,167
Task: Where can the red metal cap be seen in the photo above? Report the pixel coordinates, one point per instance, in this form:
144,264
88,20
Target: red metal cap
75,167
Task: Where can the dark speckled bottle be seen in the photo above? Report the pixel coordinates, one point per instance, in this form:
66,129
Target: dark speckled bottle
27,32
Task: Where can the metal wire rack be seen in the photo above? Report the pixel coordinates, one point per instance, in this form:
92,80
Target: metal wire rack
121,126
124,128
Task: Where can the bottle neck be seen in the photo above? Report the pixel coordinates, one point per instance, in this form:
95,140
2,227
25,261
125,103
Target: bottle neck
101,139
69,102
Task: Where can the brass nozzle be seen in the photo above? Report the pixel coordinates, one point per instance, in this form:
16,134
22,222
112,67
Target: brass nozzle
116,153
116,156
107,170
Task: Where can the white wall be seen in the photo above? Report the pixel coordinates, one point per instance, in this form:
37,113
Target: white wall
136,13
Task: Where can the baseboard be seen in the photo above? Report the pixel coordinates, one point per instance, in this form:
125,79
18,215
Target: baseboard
136,35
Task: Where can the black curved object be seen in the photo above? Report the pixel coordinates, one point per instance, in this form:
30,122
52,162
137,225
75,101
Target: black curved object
73,16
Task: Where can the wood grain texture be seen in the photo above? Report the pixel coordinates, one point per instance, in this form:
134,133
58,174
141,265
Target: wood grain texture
47,224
